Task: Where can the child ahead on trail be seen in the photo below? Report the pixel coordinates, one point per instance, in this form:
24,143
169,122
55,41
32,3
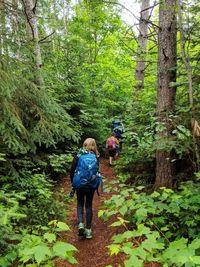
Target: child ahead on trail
118,128
85,180
112,144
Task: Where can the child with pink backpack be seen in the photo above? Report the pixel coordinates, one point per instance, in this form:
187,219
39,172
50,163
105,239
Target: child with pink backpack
112,145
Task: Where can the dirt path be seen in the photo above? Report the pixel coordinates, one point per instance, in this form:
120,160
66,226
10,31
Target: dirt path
92,252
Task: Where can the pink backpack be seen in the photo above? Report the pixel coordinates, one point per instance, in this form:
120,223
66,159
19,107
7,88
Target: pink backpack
110,144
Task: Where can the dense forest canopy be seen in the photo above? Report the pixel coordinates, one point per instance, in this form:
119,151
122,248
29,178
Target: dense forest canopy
67,69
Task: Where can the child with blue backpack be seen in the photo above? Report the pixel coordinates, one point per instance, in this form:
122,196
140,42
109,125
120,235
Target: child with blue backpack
85,180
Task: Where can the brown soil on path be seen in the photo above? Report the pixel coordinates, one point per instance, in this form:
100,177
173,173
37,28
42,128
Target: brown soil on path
92,252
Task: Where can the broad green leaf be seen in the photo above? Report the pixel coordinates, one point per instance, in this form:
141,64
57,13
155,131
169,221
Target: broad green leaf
141,214
61,226
118,238
128,244
70,257
11,256
151,243
50,237
3,262
195,259
195,244
123,210
141,230
53,222
127,234
24,258
118,223
127,250
100,213
114,249
119,201
122,220
40,253
133,261
61,248
155,194
165,228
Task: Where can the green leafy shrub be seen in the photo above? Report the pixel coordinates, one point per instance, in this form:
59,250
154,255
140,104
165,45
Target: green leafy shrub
36,250
30,175
9,215
27,203
41,204
59,164
162,227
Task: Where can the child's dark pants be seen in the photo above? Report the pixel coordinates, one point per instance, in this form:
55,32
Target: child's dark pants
85,198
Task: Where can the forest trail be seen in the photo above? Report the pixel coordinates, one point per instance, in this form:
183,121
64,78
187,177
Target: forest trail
92,252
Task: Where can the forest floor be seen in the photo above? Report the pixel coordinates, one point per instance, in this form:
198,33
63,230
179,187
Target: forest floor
92,252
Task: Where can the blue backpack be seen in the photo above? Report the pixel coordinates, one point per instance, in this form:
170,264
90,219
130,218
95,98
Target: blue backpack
86,174
117,128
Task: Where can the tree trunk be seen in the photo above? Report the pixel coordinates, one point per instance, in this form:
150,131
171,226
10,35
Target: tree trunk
15,27
3,30
166,92
188,67
142,43
30,12
65,15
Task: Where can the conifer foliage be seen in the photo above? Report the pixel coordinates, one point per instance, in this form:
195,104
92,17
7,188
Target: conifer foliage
67,69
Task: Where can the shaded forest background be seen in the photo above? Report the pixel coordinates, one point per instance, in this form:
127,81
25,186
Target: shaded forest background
66,70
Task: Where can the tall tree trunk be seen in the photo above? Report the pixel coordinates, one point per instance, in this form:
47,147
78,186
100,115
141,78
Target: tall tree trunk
30,12
65,15
142,43
3,30
16,24
188,67
166,92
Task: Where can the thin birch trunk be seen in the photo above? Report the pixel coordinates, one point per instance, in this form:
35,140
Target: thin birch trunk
142,43
16,24
188,67
65,15
3,31
30,13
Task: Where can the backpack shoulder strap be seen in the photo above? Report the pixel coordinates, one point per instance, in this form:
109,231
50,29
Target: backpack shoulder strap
97,192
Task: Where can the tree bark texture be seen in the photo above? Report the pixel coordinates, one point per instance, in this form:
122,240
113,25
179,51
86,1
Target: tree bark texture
166,92
65,15
16,28
188,67
142,43
3,30
30,12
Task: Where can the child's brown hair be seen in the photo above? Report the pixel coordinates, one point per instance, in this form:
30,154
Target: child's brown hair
90,145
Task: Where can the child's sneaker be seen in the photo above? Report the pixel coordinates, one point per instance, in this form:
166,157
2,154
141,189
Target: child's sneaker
88,233
81,229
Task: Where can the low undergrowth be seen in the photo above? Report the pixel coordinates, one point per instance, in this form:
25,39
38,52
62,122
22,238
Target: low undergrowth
162,227
31,213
